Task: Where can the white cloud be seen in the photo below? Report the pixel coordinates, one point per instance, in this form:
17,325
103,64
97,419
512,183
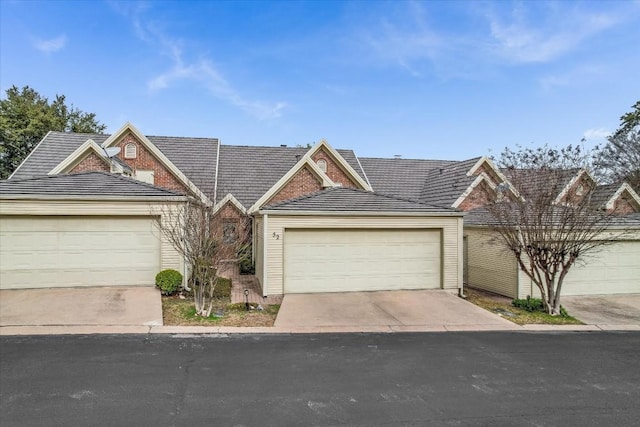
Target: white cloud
525,37
202,71
598,133
50,45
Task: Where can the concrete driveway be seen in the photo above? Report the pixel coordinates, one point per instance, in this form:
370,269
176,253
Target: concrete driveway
81,306
384,311
604,309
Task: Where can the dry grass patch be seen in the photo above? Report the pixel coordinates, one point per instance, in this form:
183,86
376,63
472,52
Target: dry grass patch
181,312
502,306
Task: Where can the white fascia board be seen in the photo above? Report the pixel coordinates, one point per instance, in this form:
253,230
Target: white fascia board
475,167
96,198
29,155
571,183
229,198
354,175
158,155
304,161
623,187
361,213
73,158
486,160
474,184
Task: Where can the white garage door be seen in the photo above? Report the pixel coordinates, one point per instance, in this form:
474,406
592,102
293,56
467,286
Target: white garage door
41,252
613,270
361,260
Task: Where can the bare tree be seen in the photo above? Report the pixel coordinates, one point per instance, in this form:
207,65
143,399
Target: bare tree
548,230
207,240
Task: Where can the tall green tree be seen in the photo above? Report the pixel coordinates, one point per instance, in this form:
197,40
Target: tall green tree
26,117
619,159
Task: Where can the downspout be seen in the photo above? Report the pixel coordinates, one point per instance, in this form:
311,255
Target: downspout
265,246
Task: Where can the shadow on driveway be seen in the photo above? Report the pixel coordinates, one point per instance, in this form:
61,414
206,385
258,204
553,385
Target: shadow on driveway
81,306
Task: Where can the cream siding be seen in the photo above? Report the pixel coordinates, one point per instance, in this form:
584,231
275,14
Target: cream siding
169,257
613,269
276,226
259,248
491,266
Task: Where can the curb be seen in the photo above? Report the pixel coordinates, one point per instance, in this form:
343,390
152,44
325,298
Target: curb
227,330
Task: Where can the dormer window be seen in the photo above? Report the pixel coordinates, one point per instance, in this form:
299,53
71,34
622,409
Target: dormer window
322,164
130,151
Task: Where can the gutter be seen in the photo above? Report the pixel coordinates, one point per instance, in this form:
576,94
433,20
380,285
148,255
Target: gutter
361,213
92,198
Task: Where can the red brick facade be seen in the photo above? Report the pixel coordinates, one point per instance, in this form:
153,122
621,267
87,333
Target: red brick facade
623,206
229,218
479,196
334,172
303,182
144,160
91,163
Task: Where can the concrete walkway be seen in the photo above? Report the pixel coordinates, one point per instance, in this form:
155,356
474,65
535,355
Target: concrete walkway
85,307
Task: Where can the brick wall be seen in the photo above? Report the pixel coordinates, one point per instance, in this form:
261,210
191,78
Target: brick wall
479,196
623,206
146,161
334,172
303,182
230,214
91,163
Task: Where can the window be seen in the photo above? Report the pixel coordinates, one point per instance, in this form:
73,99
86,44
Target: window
322,164
130,151
580,190
145,176
229,231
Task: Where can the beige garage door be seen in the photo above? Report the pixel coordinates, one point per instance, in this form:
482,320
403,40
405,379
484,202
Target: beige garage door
40,252
613,270
329,260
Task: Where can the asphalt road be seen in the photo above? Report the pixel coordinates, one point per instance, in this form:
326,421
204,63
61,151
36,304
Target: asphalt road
581,379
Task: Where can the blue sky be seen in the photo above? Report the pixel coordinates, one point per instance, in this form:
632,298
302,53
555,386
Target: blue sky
432,79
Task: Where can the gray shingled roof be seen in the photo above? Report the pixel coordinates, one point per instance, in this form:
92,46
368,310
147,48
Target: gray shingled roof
195,157
443,186
53,149
602,193
248,172
340,199
400,177
81,184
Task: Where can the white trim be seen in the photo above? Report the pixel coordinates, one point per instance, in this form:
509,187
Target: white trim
74,158
158,155
129,154
29,155
337,157
361,213
623,187
91,197
482,177
571,183
363,172
265,247
229,198
304,161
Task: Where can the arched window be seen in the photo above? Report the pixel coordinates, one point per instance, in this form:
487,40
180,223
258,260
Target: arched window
130,151
322,164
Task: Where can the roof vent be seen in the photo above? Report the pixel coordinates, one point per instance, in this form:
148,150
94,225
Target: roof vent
283,145
397,156
298,157
441,170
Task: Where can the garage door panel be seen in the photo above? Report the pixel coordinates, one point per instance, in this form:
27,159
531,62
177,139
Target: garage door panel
361,260
615,269
78,251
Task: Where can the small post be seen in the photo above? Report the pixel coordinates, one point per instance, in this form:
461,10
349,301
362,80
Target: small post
246,299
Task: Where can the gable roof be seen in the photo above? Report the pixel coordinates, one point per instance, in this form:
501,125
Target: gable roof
341,199
400,177
248,172
444,186
605,196
99,184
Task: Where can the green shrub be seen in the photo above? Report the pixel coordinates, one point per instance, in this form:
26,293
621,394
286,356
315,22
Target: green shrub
222,289
534,305
168,281
247,267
